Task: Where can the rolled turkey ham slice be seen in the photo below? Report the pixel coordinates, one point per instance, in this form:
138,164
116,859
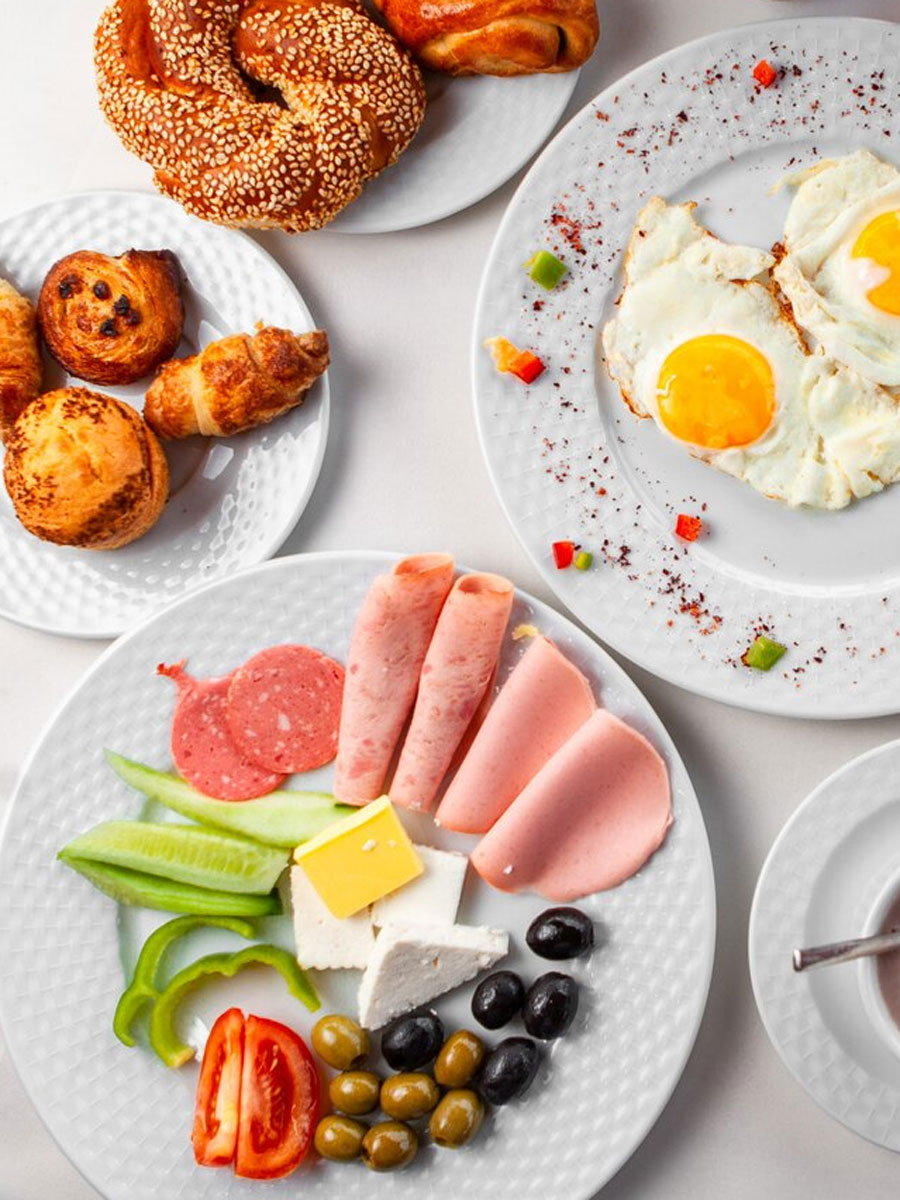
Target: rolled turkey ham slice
589,819
542,703
387,650
456,674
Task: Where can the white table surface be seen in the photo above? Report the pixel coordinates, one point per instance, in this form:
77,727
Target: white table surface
403,470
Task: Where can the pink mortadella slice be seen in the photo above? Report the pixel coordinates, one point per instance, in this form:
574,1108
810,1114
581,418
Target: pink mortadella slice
457,671
589,819
542,703
202,747
387,650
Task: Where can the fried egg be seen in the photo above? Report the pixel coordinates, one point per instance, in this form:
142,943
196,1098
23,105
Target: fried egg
700,344
841,263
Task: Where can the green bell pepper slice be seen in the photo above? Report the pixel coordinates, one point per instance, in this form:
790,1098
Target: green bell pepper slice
143,988
163,1037
546,269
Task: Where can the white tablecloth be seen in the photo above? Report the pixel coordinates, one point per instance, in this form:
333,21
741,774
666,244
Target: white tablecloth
403,469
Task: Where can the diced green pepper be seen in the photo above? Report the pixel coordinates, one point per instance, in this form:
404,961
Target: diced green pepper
546,269
763,654
277,819
152,891
165,1040
143,988
583,560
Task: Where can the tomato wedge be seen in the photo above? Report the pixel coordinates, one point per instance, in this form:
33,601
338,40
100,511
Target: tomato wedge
215,1131
279,1101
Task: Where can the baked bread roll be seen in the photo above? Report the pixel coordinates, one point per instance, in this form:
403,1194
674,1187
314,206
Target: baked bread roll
236,383
257,112
495,37
20,358
112,320
82,469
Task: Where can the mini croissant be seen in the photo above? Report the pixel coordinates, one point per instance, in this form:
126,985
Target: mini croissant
495,37
236,383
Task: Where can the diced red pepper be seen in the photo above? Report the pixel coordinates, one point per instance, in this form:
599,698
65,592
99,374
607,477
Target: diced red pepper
563,554
526,366
764,73
688,528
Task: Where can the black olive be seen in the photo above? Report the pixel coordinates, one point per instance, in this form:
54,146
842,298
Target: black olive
108,328
560,933
101,290
497,999
509,1070
550,1005
122,306
412,1041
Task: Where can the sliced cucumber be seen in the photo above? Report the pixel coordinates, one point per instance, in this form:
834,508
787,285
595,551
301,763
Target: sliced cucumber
279,819
150,891
187,853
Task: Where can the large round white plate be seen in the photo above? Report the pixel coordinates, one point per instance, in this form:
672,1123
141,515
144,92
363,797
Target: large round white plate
818,885
233,500
124,1119
569,461
476,134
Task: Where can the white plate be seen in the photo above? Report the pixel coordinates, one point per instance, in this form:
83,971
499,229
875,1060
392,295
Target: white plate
476,134
234,500
125,1120
690,125
819,884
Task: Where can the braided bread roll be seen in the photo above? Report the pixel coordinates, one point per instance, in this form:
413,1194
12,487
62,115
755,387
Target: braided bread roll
495,37
236,383
257,112
20,358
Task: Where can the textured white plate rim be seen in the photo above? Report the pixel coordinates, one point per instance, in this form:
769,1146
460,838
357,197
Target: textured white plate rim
269,546
655,666
836,777
610,668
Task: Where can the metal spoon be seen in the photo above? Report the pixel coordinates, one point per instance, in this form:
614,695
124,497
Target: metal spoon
837,952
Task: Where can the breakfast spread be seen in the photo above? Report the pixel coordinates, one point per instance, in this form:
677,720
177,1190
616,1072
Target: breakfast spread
112,320
20,359
83,469
495,37
236,383
187,89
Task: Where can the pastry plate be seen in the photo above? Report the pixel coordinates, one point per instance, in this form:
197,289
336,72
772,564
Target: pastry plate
478,131
820,884
233,500
124,1119
569,461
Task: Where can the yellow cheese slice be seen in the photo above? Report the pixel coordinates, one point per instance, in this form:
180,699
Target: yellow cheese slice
356,861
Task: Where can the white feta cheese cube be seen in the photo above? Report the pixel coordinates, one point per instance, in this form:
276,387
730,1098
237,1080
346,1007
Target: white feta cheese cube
323,941
432,897
412,963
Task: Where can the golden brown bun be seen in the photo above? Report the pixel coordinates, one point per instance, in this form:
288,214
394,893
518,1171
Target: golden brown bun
236,383
257,112
495,37
20,358
112,320
82,469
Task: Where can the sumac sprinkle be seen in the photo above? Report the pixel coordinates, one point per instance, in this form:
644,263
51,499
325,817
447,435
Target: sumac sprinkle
108,328
133,318
101,290
122,306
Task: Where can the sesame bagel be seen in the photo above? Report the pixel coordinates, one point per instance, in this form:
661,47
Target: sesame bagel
257,112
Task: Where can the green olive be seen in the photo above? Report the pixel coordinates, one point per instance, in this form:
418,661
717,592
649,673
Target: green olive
409,1095
355,1092
339,1138
459,1059
340,1042
388,1146
456,1119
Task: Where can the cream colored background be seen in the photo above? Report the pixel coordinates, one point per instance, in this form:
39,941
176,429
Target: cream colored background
403,470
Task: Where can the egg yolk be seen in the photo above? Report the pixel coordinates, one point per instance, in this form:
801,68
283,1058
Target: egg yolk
716,391
880,242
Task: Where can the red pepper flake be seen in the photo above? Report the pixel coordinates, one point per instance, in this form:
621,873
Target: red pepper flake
688,528
563,554
764,73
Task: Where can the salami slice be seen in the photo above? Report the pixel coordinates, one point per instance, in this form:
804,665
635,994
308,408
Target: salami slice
202,747
284,708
